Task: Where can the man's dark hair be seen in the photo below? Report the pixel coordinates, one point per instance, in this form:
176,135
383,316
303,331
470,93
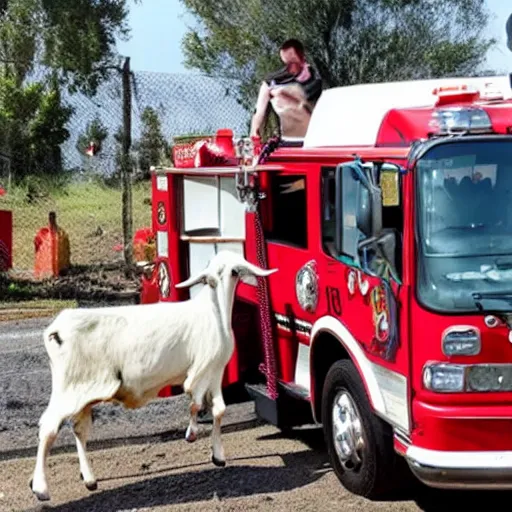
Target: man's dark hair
295,44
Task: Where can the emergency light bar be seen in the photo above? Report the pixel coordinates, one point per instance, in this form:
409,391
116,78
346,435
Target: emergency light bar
455,120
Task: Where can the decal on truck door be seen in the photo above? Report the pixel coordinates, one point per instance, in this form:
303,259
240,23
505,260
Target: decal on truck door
385,341
161,213
333,301
355,282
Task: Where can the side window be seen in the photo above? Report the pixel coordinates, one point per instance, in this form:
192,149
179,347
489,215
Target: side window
289,212
329,209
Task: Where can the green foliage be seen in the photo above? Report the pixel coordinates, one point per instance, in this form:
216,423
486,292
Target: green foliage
32,126
152,148
77,38
18,37
349,41
77,41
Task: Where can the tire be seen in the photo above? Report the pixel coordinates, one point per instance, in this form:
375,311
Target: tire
378,470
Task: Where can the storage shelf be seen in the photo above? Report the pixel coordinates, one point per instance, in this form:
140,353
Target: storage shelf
211,239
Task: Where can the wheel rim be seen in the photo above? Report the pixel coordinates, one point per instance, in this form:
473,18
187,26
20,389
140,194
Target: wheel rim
347,431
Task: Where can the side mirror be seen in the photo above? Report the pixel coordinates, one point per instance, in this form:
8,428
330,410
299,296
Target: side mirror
359,207
387,246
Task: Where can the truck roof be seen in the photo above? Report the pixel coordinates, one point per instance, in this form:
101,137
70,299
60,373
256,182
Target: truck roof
356,115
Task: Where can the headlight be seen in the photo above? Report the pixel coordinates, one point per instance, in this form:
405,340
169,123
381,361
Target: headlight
444,378
461,341
478,378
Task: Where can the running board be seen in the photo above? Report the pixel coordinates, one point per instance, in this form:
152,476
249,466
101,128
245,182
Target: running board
291,409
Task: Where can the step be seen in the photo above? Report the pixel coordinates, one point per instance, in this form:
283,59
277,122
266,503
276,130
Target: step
290,409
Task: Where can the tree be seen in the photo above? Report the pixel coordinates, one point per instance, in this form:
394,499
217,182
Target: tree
32,125
349,41
76,41
152,147
77,38
96,133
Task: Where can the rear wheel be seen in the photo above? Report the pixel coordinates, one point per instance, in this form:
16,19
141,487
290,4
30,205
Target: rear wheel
360,444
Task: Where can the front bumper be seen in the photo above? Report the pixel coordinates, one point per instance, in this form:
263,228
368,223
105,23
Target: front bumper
461,470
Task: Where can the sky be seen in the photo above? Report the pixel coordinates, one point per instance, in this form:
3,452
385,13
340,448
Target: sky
158,27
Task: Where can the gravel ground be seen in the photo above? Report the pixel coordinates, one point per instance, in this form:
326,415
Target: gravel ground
142,462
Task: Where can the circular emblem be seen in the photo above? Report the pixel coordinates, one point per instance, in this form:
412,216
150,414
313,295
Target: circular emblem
164,281
306,287
161,213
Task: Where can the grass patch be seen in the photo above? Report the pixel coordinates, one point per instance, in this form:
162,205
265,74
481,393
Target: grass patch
28,309
38,304
89,212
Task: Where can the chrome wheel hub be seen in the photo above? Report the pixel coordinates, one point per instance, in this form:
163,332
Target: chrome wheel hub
347,431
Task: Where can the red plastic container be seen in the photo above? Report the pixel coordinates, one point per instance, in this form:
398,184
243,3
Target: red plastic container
5,240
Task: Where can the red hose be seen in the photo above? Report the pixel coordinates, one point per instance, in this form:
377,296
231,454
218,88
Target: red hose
263,293
264,312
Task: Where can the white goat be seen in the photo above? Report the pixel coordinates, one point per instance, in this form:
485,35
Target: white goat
128,354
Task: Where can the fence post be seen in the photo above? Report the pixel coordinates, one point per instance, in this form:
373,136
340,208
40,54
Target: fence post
126,167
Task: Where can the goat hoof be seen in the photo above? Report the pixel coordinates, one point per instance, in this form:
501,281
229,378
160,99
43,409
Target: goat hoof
91,486
219,463
41,496
190,436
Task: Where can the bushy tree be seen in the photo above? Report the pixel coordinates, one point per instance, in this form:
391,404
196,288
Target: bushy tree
76,38
96,133
75,41
349,41
152,148
32,126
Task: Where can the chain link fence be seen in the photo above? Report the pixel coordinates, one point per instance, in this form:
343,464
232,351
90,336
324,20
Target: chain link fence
87,195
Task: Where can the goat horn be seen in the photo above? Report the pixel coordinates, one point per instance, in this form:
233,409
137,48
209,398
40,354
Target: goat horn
203,278
257,271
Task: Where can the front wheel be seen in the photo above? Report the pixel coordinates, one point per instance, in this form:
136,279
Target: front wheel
360,444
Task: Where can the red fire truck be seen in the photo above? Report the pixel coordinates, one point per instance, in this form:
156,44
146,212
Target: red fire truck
389,321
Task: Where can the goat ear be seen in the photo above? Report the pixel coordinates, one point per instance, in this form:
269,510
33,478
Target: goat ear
203,277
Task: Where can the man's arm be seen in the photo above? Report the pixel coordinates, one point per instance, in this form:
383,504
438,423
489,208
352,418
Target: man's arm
261,107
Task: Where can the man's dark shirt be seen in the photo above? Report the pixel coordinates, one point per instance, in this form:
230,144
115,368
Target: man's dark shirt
312,87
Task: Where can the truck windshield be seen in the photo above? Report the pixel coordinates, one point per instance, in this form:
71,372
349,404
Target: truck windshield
464,226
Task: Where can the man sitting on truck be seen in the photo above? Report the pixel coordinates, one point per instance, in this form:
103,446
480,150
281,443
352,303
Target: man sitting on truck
292,91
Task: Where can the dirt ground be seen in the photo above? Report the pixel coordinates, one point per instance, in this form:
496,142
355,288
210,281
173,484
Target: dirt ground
143,463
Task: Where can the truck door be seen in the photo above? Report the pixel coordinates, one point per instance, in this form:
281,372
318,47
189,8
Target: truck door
288,236
361,270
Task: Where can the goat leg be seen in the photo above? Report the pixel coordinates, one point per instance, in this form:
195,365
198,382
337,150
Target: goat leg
218,409
49,426
192,428
81,429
